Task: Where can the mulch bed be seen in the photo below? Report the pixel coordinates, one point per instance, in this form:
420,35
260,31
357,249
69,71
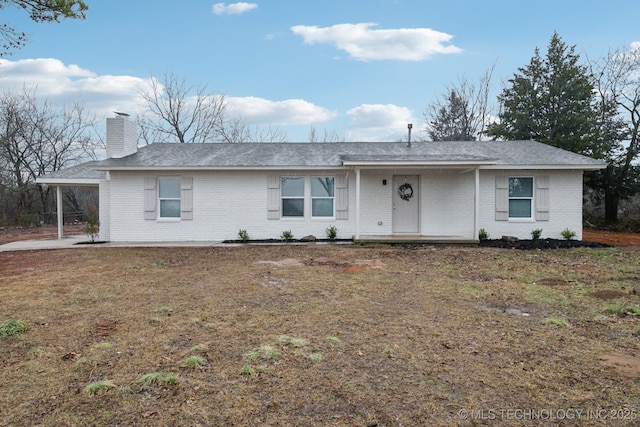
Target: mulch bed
540,244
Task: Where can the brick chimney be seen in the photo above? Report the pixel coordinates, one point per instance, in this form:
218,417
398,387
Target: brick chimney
122,136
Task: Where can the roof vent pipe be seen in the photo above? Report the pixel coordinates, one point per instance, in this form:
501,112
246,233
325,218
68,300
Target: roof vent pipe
409,126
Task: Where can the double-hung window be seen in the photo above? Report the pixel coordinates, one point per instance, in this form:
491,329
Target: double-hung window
520,197
292,196
322,194
169,197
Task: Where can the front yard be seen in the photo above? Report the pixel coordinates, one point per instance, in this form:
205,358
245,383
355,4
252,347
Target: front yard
320,335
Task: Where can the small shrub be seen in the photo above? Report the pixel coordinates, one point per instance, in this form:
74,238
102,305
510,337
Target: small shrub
243,235
97,386
13,327
287,235
535,234
92,227
388,352
568,234
194,362
332,232
483,234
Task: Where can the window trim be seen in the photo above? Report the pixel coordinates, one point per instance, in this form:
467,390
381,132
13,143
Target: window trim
531,198
161,199
307,198
332,198
283,197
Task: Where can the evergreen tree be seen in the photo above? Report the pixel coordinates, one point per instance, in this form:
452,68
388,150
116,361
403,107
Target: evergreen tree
551,100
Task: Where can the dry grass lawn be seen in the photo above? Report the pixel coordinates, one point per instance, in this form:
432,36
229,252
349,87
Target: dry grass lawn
320,335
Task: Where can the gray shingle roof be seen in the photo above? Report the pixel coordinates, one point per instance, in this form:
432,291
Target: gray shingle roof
83,173
166,156
283,155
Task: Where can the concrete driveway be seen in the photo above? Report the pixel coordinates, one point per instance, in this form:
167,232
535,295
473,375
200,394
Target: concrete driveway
76,241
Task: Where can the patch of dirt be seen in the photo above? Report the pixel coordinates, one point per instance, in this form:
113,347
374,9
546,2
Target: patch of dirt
551,282
105,328
612,238
608,294
627,366
349,266
541,244
287,262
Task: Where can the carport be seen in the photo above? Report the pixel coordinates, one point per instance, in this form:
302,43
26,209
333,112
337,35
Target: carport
82,175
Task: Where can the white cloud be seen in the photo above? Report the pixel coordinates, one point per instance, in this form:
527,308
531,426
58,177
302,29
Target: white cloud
364,43
64,84
102,94
379,122
262,111
233,8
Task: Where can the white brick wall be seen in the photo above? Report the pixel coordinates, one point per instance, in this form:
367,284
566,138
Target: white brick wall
122,138
376,202
448,204
565,205
224,202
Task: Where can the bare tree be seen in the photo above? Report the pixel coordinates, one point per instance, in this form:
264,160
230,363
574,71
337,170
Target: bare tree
328,136
236,130
36,139
461,112
178,111
617,82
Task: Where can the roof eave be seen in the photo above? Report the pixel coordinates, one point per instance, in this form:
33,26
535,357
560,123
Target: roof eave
77,182
417,163
547,167
217,168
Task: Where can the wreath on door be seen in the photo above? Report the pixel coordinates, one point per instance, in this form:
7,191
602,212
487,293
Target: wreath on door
405,191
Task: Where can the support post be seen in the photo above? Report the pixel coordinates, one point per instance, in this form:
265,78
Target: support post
357,203
59,211
476,209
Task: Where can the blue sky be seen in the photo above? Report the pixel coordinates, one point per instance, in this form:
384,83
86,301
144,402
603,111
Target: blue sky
360,69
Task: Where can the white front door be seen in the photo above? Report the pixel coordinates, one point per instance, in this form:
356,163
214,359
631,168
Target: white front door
406,204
